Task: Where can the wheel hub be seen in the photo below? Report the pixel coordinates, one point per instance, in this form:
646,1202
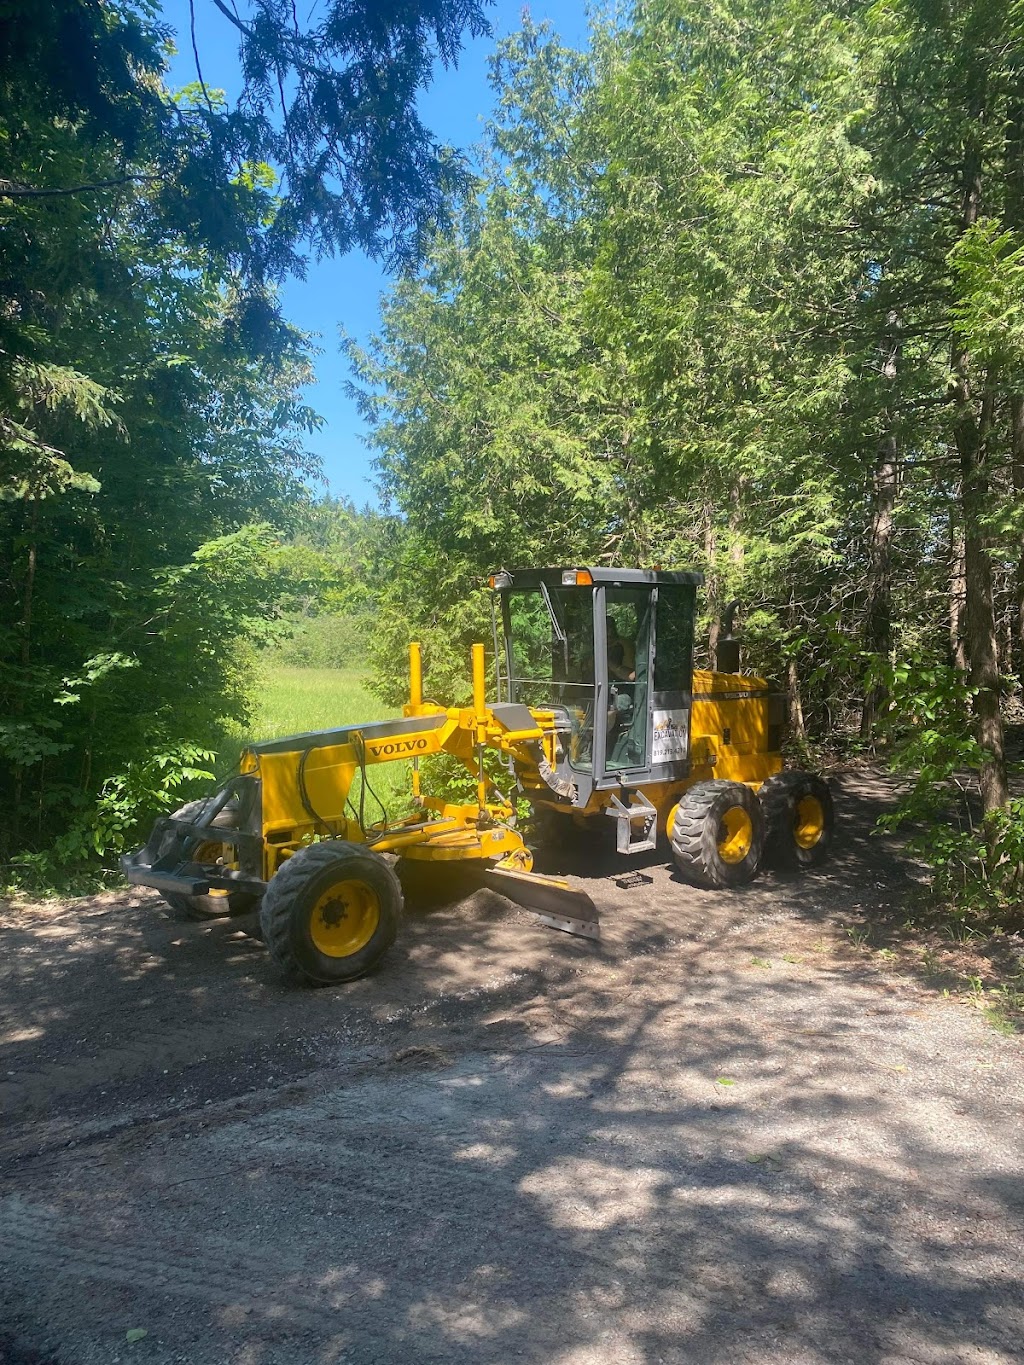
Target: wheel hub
809,824
735,835
344,918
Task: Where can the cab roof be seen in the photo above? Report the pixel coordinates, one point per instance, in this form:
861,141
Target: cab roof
553,578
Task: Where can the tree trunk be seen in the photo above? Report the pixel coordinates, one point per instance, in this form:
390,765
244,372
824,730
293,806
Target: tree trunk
736,526
1017,450
25,655
957,597
736,551
972,431
878,623
982,640
794,702
711,588
30,584
1013,159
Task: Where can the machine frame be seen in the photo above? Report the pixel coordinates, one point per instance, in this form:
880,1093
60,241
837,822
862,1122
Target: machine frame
285,832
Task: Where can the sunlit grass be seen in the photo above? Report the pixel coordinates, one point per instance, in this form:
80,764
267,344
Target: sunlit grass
294,701
300,701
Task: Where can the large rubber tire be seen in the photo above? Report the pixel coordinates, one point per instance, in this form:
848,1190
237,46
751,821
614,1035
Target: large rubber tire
331,913
717,835
800,818
215,905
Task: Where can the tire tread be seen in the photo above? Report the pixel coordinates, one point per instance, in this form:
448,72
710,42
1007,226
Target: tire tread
778,796
291,880
693,841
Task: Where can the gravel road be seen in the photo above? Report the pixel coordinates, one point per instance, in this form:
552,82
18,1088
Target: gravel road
724,1134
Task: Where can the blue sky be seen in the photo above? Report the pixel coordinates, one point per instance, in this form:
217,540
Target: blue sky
345,291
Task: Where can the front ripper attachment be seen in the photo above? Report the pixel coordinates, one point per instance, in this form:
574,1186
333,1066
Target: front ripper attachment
552,899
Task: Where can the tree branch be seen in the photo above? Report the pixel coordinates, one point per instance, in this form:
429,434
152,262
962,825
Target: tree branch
9,189
233,18
195,54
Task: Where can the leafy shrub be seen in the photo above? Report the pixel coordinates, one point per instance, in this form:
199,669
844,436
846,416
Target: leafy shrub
975,862
129,800
91,750
118,819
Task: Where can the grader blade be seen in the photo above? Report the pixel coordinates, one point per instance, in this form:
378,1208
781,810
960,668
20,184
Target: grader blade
552,899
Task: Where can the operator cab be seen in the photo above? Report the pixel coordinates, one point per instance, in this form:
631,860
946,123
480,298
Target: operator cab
610,653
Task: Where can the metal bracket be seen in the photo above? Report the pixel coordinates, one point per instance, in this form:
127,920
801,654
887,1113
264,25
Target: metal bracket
639,809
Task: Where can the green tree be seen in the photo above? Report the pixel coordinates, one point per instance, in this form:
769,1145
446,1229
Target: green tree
753,271
152,425
330,101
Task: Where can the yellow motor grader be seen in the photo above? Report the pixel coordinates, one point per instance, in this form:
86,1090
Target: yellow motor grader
599,715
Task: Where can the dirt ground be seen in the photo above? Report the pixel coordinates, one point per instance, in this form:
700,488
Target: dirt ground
727,1133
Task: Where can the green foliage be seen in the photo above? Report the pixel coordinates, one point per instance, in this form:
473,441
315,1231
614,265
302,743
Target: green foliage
85,855
323,144
152,421
988,262
1005,862
188,636
700,310
151,424
719,297
329,641
128,800
975,862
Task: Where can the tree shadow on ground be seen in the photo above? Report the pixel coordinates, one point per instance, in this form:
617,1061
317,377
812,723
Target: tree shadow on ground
508,1144
870,890
116,995
578,1183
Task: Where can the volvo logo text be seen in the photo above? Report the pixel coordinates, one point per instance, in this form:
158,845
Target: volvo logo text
402,746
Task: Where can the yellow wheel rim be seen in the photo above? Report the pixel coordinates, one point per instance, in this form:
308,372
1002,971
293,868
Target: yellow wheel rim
209,853
670,823
344,919
735,835
810,822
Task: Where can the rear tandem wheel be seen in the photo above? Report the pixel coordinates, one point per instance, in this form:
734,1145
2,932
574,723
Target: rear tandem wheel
800,819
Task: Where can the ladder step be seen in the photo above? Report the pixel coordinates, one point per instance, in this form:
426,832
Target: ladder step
639,813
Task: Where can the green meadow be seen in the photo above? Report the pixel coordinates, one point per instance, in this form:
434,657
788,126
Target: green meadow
295,701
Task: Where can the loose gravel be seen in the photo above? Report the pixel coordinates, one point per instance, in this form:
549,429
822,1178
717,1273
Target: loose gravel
726,1133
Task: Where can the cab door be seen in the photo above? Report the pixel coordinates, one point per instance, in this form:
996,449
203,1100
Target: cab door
624,617
672,680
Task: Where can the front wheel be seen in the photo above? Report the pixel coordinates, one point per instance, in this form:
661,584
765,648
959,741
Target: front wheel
331,912
214,904
717,835
800,819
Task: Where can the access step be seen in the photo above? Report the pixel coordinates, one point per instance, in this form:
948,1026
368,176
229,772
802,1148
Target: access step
636,830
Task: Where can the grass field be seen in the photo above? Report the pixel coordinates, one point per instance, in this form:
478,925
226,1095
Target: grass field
294,701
